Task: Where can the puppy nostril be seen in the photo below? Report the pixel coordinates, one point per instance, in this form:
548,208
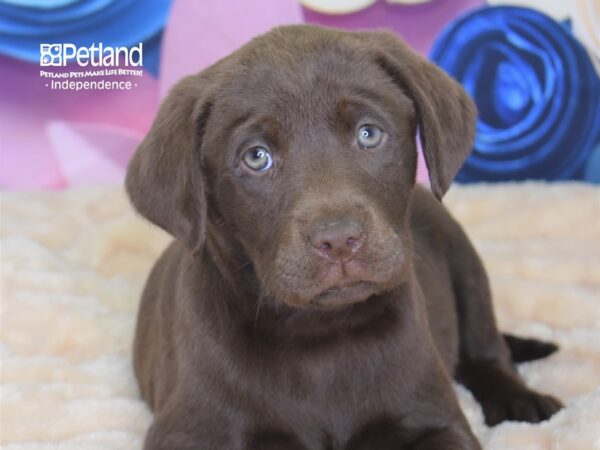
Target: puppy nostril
325,246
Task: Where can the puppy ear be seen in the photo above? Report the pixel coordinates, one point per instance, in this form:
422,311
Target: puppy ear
164,178
446,115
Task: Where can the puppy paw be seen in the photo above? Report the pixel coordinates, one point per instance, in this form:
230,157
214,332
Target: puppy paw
524,406
504,396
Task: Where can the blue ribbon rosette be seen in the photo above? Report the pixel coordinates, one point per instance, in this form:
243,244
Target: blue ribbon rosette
536,90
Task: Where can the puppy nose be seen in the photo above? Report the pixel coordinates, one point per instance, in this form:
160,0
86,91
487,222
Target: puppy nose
338,239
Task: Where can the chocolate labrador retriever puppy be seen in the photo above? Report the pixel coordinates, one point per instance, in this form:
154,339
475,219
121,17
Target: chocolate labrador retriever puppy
314,297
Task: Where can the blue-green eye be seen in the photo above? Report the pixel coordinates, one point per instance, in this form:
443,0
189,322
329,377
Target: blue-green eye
369,136
258,159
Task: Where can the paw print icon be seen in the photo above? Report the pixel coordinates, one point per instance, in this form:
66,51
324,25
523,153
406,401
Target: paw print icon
51,55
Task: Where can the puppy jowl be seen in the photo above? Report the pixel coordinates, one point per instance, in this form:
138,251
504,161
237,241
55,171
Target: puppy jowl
314,297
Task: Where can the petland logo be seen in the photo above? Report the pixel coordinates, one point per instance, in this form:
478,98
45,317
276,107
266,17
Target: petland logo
94,55
98,60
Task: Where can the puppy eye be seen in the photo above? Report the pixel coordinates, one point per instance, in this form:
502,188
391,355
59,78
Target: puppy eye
369,136
258,159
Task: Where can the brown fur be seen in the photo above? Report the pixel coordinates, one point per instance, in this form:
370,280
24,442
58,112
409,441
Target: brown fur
252,332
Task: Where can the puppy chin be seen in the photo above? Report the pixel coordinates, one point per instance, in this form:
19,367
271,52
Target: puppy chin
336,297
343,295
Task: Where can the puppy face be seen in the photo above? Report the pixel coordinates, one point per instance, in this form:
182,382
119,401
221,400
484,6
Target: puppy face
300,154
313,156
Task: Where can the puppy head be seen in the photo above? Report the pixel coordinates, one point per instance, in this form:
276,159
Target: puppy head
298,152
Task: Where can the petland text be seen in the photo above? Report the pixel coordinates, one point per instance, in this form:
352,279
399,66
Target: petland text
96,55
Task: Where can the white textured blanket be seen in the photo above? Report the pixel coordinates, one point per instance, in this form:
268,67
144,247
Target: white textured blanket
73,265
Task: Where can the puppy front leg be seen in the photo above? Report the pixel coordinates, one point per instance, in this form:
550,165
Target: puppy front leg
380,435
159,438
273,440
390,436
452,438
187,434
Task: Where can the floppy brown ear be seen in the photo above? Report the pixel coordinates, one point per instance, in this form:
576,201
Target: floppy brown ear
445,113
164,180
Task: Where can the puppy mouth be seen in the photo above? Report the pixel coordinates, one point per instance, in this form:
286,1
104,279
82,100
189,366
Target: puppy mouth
330,285
345,293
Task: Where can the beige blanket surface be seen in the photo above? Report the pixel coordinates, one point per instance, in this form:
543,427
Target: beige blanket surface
74,263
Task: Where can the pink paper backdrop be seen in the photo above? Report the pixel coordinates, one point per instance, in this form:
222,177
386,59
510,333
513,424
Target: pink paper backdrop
57,139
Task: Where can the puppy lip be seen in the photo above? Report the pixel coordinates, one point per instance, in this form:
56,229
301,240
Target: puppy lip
346,285
345,293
